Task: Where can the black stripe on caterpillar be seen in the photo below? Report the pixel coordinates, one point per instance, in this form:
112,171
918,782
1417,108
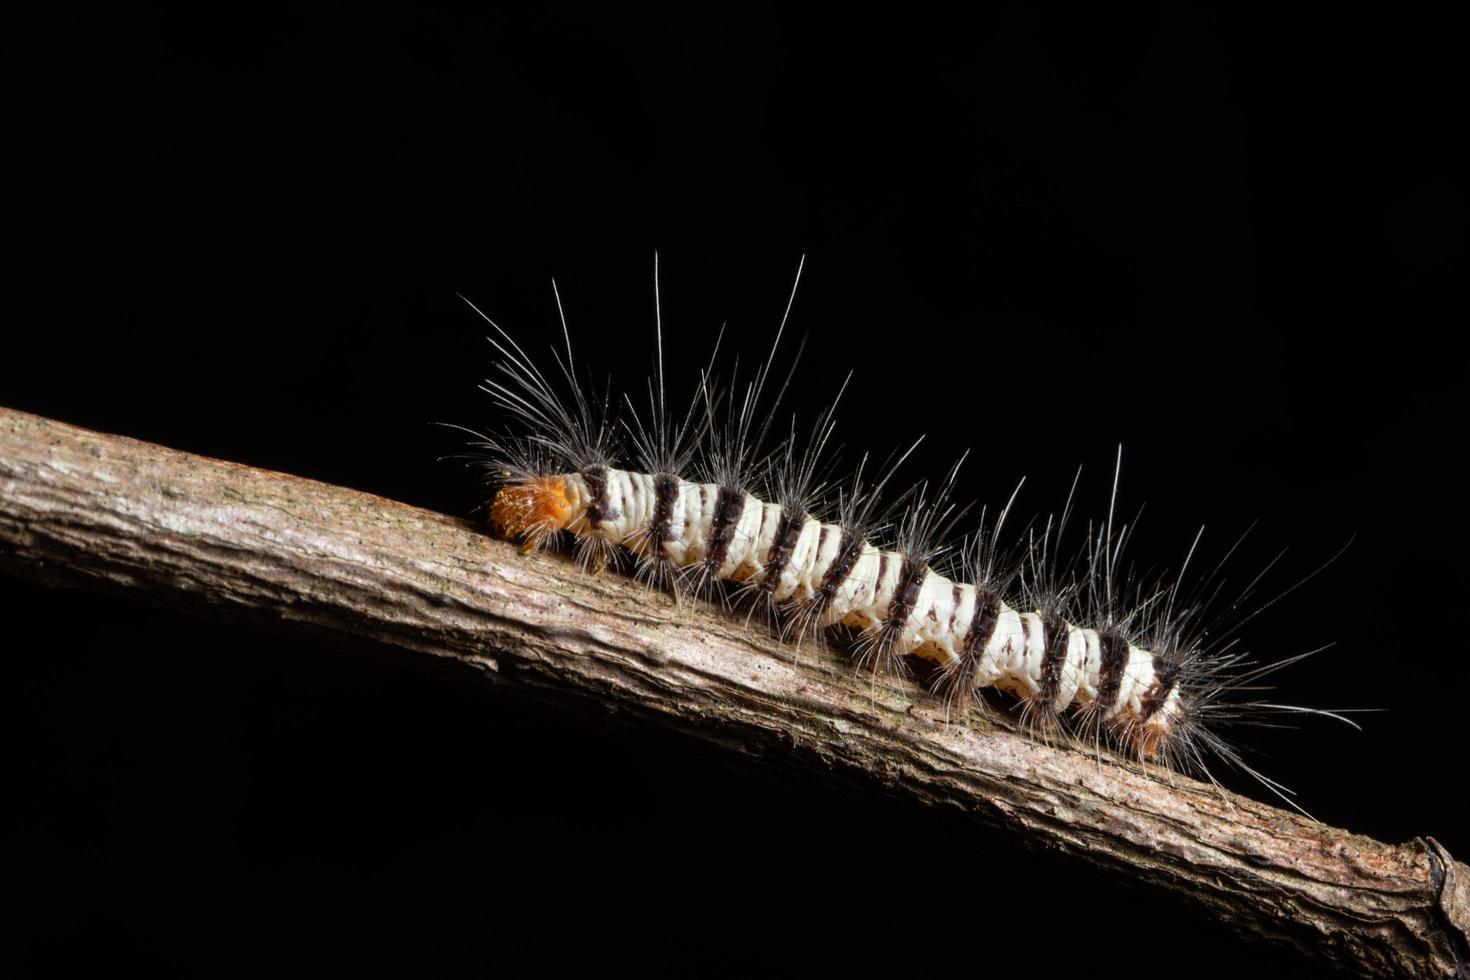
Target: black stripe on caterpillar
1087,652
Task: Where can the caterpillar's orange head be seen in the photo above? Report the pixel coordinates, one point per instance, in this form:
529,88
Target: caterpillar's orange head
531,510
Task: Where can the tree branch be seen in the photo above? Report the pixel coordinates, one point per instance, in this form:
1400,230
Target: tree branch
276,551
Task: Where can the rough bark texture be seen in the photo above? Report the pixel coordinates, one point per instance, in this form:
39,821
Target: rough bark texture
293,555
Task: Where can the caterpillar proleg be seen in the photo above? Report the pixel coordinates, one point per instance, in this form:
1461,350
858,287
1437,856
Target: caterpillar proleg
703,505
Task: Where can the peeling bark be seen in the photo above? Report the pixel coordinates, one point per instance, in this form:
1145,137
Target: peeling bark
279,552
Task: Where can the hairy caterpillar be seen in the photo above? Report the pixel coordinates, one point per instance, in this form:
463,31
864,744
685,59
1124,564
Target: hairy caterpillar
703,507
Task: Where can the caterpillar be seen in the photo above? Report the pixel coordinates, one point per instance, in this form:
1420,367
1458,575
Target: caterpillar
703,507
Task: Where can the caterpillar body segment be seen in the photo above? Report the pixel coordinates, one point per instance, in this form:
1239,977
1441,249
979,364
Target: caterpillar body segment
824,575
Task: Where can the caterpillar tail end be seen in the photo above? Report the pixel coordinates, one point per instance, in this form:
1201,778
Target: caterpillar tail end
1149,745
532,510
1154,740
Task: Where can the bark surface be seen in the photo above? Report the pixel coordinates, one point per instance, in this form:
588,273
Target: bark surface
278,552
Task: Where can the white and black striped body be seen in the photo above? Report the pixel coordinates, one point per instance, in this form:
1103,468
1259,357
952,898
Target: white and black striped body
1146,677
826,574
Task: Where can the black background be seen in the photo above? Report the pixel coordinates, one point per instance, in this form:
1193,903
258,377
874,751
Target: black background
1231,243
